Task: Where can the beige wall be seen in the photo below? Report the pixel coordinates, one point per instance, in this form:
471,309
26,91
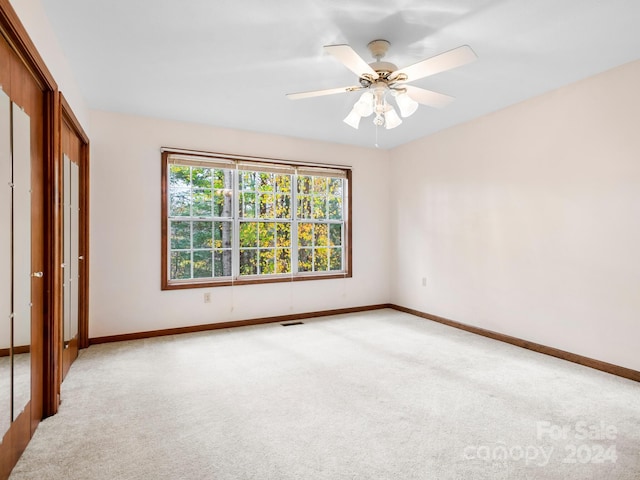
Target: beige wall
527,221
125,229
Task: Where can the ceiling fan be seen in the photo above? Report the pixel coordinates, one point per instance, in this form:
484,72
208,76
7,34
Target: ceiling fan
379,78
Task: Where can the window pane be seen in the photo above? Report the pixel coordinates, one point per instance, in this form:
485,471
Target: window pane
320,185
248,234
283,206
267,262
223,179
201,203
179,176
320,233
283,237
222,263
304,184
267,201
335,187
201,177
321,259
267,234
284,261
305,260
319,208
202,235
305,234
222,203
335,208
202,264
247,181
222,234
180,265
267,182
304,206
180,235
335,261
283,183
248,262
248,206
180,202
335,234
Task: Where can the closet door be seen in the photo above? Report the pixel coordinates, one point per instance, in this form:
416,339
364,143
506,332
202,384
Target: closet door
22,267
74,192
5,263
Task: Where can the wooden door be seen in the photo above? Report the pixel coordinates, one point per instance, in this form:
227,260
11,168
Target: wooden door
28,220
73,188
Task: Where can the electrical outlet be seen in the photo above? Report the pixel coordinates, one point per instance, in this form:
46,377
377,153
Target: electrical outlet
207,297
424,281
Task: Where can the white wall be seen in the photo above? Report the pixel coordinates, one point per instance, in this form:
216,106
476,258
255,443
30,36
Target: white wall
32,15
125,229
527,221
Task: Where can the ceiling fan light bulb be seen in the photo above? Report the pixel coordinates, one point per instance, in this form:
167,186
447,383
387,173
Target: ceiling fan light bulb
406,104
353,119
364,106
392,120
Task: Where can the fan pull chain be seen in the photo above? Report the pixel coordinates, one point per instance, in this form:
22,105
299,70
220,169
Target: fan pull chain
376,144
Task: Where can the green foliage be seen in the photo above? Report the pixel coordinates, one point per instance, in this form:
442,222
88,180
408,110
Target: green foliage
248,234
179,176
180,235
222,263
335,234
305,259
180,265
283,234
202,234
283,264
201,177
335,259
203,248
202,264
248,262
305,234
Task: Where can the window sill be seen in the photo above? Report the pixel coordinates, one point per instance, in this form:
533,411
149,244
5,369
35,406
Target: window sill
208,283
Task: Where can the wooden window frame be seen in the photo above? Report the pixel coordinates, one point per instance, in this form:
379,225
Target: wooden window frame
166,284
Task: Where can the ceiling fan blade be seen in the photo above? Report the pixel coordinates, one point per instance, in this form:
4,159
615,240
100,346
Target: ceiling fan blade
320,93
427,97
350,59
440,63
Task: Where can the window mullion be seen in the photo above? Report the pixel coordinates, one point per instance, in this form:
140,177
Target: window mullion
191,220
235,250
294,224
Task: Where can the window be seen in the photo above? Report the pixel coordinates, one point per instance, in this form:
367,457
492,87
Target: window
238,220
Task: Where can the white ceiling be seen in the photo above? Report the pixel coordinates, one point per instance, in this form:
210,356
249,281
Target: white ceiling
230,63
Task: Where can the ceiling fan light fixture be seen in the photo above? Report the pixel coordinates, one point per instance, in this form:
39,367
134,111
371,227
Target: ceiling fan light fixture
391,118
406,104
353,119
364,106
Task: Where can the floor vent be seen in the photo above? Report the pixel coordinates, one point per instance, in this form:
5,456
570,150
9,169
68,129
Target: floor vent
288,324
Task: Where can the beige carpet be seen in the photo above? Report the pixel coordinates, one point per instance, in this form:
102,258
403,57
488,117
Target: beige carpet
378,395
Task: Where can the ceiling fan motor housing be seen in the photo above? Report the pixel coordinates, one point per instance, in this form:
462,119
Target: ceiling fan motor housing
378,48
